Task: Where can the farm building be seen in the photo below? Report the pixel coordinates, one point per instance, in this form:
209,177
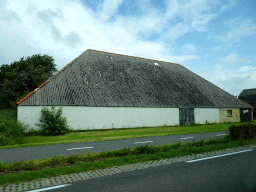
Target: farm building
249,96
102,90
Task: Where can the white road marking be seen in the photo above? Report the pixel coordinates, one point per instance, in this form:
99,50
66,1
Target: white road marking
79,148
49,188
221,134
187,138
143,142
219,156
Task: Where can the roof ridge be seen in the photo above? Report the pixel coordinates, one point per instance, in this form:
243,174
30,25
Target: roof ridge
133,56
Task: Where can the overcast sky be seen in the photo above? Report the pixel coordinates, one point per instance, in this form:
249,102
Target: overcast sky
215,39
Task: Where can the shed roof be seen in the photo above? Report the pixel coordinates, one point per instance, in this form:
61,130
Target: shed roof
103,79
249,96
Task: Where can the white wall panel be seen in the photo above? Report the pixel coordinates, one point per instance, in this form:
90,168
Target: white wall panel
104,117
206,114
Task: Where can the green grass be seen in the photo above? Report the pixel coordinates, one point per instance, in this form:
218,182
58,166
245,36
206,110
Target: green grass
60,165
90,136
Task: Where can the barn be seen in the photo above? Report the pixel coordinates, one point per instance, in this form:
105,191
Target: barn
103,90
248,96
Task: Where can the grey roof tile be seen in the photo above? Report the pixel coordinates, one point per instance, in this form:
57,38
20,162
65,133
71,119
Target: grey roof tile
97,78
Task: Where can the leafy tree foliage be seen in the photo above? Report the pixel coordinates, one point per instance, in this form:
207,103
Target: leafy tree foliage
22,77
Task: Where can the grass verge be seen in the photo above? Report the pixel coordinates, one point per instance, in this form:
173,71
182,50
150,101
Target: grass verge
61,165
77,136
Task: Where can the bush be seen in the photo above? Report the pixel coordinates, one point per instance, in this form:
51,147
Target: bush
55,160
244,132
144,149
3,167
11,131
72,158
53,123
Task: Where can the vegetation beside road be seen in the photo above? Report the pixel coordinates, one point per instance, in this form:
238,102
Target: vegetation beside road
127,133
60,165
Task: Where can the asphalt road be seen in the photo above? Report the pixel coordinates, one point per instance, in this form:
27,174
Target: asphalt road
236,173
40,152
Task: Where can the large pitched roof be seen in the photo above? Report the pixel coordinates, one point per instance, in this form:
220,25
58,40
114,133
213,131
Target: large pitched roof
103,79
249,96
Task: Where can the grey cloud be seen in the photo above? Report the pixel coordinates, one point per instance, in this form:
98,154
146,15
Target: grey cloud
55,33
73,39
7,15
11,17
47,16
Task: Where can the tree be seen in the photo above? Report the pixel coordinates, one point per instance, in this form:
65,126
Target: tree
22,77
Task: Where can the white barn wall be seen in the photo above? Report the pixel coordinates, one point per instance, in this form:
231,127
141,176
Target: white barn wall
104,117
209,114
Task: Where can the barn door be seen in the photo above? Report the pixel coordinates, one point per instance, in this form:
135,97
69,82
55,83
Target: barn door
245,115
187,116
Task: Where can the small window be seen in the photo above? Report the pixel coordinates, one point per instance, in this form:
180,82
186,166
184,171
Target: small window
245,111
229,112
